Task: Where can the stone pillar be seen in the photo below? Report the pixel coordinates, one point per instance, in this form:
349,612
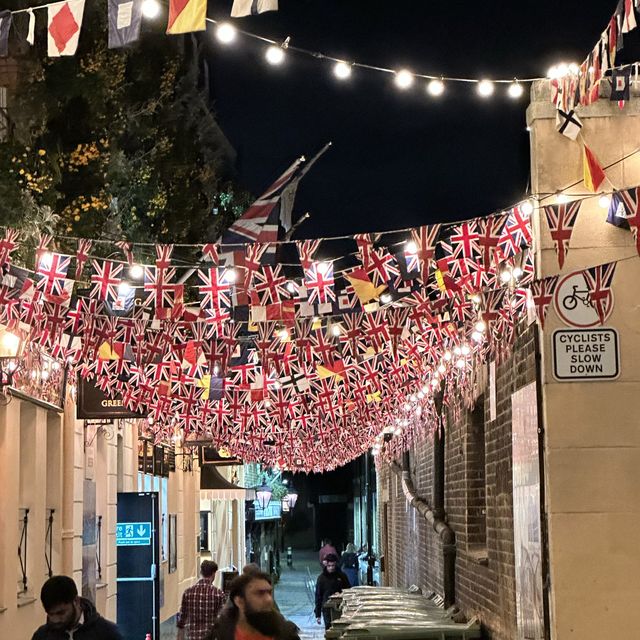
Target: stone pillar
592,432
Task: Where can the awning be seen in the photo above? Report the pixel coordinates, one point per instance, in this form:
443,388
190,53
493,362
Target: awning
214,486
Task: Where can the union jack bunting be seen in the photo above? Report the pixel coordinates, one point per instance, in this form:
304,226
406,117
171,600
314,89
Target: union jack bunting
215,288
43,245
542,292
82,255
210,253
382,266
599,280
365,246
318,280
464,240
625,211
425,239
52,269
561,219
125,247
7,246
270,284
489,234
516,233
105,279
306,251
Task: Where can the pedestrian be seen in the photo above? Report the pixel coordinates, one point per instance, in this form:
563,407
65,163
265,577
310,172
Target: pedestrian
330,581
326,548
252,567
250,613
70,617
350,563
201,605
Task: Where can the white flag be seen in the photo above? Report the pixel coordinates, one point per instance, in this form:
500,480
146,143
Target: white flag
63,27
252,7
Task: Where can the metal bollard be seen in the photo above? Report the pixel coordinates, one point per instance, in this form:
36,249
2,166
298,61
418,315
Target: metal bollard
289,557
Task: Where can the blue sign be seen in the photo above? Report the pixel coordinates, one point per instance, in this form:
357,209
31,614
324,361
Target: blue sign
133,534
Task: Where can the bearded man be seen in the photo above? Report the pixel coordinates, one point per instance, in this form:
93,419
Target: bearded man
251,613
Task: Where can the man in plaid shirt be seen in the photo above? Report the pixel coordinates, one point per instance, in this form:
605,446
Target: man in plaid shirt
201,604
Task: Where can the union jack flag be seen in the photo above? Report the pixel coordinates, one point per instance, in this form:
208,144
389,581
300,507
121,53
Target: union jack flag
306,251
542,292
516,233
465,241
7,246
319,282
425,239
561,219
489,233
52,269
82,254
270,285
599,280
105,280
215,288
382,266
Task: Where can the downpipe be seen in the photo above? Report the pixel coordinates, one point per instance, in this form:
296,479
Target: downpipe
435,516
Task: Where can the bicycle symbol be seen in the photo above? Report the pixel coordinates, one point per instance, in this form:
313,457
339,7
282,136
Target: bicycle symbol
570,302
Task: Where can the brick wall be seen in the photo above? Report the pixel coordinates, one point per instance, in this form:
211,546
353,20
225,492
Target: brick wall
485,573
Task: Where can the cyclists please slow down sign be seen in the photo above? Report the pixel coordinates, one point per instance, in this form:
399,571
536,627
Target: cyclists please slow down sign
586,354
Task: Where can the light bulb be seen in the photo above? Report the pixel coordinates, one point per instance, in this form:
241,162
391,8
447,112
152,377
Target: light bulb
515,90
291,287
476,336
552,74
385,298
481,326
323,267
604,201
124,288
447,355
136,271
526,207
229,275
150,8
434,382
404,79
460,363
411,247
283,334
441,368
435,87
457,350
226,33
274,55
485,88
336,330
342,70
517,273
505,276
562,69
574,69
562,198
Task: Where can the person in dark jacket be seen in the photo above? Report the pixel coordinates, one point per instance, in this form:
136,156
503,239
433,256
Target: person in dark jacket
349,563
70,616
330,581
250,613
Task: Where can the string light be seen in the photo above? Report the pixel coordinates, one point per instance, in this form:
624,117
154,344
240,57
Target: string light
481,326
527,207
485,88
136,271
342,70
404,79
283,334
561,198
604,201
323,267
385,298
124,288
336,330
411,247
435,87
274,55
229,275
150,9
291,286
226,33
476,336
515,90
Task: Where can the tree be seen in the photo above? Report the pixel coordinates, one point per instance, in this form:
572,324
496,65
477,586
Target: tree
118,143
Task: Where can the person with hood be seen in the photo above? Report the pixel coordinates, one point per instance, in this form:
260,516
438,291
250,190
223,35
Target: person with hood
250,613
70,617
330,581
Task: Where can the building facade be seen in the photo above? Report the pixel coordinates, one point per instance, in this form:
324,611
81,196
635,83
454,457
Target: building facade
525,512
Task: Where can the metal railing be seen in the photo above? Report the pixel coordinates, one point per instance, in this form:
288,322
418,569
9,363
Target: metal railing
48,543
23,523
99,547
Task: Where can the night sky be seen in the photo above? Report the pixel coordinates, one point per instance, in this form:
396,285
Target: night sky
399,158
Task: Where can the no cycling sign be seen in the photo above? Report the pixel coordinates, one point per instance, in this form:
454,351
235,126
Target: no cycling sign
586,354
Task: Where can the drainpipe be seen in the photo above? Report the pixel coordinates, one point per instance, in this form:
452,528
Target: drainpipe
434,515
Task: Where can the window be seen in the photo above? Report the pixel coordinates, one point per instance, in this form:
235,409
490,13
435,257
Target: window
476,479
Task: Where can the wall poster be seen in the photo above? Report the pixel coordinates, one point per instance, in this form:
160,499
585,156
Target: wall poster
526,514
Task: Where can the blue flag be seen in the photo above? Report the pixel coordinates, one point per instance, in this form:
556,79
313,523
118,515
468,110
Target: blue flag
125,18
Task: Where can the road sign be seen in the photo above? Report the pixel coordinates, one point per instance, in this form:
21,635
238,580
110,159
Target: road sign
572,304
586,354
133,534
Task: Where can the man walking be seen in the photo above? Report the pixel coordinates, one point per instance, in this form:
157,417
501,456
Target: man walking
250,614
330,581
70,617
201,604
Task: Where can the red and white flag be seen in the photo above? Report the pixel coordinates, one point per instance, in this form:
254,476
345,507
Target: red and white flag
63,27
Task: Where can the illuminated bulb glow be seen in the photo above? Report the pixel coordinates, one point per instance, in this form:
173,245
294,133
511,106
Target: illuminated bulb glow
404,79
460,363
336,330
465,349
447,355
226,33
526,207
291,287
150,8
136,272
342,70
124,288
604,201
505,276
274,55
515,90
323,267
411,247
283,334
385,298
481,326
485,88
476,336
435,88
229,275
517,273
46,259
10,341
441,368
562,198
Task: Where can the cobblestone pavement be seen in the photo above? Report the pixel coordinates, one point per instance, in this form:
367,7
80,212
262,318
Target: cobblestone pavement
293,597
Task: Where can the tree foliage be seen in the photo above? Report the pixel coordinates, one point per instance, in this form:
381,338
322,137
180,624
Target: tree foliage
118,142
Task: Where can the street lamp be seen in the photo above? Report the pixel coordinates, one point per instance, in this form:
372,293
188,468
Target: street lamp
292,497
263,495
11,345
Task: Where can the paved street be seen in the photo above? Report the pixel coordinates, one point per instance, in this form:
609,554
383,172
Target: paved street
295,602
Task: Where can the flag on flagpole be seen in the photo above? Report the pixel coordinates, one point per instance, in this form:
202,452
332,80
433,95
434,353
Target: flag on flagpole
593,173
186,16
243,8
5,25
63,27
125,18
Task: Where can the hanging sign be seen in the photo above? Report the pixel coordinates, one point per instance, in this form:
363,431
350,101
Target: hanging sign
93,403
586,354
